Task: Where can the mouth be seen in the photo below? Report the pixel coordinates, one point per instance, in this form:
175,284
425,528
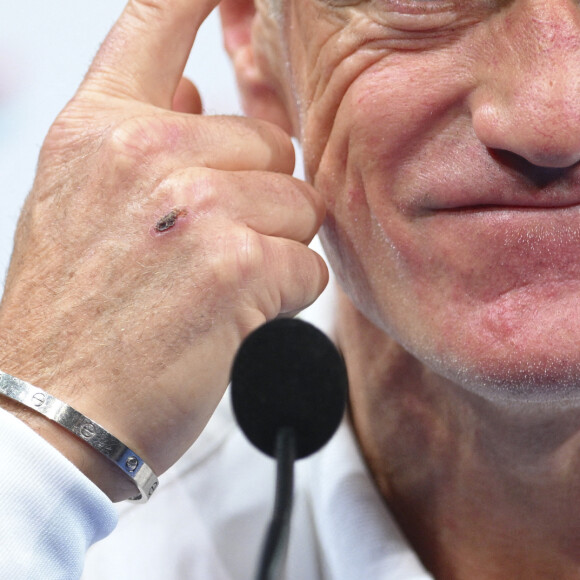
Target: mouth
464,199
477,186
477,208
507,221
510,231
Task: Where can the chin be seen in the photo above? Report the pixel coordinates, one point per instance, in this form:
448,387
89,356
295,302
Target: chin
522,381
521,352
529,370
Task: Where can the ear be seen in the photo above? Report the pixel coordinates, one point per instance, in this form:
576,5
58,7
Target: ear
251,40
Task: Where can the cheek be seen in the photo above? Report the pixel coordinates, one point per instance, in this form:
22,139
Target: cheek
378,128
389,142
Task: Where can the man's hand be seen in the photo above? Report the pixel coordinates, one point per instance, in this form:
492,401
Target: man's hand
152,242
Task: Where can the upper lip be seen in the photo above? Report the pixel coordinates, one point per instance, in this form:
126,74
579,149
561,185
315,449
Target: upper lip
470,177
501,191
520,205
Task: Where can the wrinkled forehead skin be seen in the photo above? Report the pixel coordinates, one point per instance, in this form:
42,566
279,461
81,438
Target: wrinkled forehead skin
443,137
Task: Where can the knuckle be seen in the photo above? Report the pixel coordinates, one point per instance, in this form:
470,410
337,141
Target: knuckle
129,141
139,140
240,260
204,190
198,188
249,253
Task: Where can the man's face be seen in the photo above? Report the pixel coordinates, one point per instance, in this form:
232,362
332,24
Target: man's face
445,136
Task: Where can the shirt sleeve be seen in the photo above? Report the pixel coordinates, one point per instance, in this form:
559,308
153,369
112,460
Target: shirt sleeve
50,513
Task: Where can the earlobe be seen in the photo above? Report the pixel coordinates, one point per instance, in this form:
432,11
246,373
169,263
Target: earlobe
237,17
256,57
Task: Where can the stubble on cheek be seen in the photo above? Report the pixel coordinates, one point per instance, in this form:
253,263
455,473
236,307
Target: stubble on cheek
421,285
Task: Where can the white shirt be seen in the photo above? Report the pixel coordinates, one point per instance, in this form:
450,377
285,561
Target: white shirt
50,513
208,518
205,522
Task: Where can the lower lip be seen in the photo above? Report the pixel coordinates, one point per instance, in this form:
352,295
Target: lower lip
520,235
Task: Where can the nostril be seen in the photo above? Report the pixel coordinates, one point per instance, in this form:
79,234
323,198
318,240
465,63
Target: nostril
539,175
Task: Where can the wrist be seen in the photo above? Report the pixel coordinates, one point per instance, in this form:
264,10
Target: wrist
113,467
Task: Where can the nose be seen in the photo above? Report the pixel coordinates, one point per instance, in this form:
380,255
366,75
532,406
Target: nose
527,100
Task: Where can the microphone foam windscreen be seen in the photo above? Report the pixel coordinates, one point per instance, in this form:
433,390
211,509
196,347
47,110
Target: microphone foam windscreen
287,373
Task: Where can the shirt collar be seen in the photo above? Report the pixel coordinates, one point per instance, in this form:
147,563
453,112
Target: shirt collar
358,536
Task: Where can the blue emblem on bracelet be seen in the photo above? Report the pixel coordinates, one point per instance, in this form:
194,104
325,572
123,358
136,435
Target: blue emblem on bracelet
130,463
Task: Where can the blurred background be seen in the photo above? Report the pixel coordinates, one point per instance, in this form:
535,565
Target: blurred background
45,48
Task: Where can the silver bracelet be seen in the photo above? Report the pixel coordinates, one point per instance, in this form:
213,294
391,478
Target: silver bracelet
92,433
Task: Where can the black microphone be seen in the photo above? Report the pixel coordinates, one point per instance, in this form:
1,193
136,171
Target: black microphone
289,389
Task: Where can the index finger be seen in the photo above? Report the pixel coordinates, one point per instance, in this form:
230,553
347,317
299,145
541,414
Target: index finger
145,52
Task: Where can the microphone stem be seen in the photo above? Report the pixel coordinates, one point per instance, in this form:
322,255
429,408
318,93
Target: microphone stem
276,541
